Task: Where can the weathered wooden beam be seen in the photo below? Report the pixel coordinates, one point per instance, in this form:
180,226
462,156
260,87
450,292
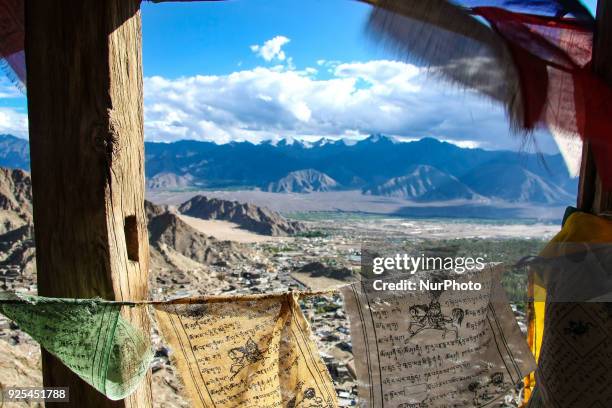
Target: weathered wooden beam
85,103
591,195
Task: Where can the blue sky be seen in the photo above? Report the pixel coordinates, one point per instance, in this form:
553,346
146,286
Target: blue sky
214,38
195,38
266,69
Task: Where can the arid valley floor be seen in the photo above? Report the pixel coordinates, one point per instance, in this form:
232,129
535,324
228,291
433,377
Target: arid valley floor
324,255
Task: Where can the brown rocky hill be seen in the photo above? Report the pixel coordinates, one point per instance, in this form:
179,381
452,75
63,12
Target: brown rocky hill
173,243
304,181
176,248
15,199
17,253
169,181
248,216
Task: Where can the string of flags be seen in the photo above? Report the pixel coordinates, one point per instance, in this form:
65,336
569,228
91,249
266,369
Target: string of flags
413,348
421,348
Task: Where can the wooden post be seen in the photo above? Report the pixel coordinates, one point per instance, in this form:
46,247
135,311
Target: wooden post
85,102
591,195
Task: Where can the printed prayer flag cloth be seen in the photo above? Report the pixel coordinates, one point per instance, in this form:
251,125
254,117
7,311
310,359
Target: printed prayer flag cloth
252,351
88,336
436,348
570,316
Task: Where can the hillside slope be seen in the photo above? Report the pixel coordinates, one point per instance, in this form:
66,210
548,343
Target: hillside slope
174,244
424,183
15,199
248,216
304,181
513,183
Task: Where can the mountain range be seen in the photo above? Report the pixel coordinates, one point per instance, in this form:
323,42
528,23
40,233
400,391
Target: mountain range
424,170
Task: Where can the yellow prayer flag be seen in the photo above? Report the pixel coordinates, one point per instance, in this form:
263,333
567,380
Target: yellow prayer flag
251,351
577,251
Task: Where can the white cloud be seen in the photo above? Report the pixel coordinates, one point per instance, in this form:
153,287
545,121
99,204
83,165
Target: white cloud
272,49
381,72
466,144
13,122
8,89
352,101
358,99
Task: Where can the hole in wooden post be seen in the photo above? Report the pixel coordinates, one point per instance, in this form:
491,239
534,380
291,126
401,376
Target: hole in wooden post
131,237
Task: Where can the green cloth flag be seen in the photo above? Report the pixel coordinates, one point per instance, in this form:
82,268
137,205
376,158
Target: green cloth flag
88,335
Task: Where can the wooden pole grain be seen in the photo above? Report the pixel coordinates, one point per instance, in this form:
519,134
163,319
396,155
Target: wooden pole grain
85,103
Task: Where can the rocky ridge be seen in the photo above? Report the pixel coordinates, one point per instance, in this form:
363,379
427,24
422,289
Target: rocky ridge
424,183
304,181
170,181
174,245
248,216
15,199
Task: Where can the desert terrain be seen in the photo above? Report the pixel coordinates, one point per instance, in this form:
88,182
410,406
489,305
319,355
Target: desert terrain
191,255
